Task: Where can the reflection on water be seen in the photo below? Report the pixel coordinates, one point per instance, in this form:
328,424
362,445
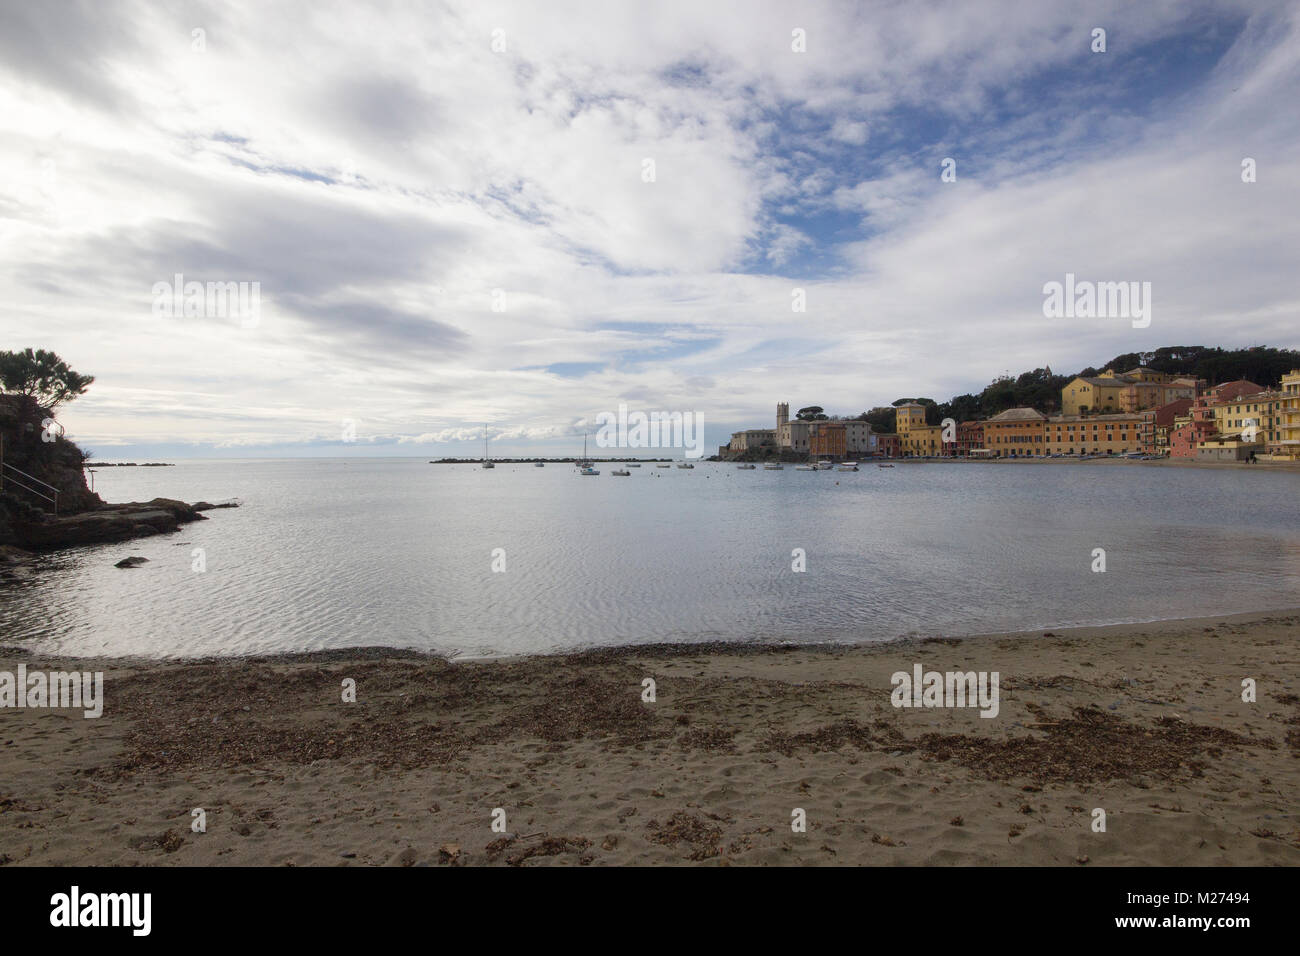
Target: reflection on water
339,553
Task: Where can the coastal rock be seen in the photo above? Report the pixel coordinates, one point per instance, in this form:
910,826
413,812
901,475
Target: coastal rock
131,562
115,522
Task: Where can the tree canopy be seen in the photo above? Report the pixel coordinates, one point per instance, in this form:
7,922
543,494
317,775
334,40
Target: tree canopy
41,375
811,413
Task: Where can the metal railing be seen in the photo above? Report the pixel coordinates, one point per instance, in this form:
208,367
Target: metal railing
8,471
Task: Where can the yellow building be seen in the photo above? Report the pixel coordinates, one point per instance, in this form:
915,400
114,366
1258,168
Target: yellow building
1133,391
1263,410
1101,393
1016,432
1287,445
1093,434
915,437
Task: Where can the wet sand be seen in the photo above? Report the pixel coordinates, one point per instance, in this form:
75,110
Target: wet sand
1144,721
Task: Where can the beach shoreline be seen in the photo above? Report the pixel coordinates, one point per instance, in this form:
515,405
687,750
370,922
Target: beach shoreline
1145,722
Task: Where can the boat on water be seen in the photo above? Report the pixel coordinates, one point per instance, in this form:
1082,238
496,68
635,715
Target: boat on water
684,464
847,466
539,464
620,472
805,467
634,464
663,466
584,466
884,466
486,462
772,466
825,465
745,467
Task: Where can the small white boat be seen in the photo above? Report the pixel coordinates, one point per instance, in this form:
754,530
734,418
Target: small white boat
805,467
663,466
772,466
684,464
825,465
745,467
634,464
884,466
539,464
620,473
486,462
847,466
588,470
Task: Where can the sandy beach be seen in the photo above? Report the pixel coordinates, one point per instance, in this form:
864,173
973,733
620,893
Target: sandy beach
1144,721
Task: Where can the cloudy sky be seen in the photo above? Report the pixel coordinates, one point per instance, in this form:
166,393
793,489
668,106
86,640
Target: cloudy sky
519,215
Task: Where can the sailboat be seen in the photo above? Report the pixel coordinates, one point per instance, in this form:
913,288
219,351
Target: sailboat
584,466
486,462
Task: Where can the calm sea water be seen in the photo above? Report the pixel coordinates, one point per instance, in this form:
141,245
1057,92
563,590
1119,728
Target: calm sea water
345,553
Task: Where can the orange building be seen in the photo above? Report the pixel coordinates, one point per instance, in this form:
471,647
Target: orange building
1015,433
827,440
1093,434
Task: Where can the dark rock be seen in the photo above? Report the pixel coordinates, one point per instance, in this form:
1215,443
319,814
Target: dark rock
116,522
131,562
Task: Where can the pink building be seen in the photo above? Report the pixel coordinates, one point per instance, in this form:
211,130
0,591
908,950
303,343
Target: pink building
1184,442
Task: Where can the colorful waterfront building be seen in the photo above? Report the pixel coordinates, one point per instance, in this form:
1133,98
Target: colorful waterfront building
1257,414
1186,438
1015,433
1156,423
827,439
969,436
915,437
1287,445
1092,434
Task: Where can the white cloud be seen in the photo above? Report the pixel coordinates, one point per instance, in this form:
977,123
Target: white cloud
382,172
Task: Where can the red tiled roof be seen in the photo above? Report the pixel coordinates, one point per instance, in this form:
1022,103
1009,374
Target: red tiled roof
1230,391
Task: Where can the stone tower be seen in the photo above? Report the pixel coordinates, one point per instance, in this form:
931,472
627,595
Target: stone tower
782,414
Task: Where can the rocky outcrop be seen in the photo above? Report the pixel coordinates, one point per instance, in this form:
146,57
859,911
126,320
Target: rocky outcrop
109,523
33,444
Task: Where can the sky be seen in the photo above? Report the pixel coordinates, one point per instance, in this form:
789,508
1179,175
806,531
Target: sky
505,219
